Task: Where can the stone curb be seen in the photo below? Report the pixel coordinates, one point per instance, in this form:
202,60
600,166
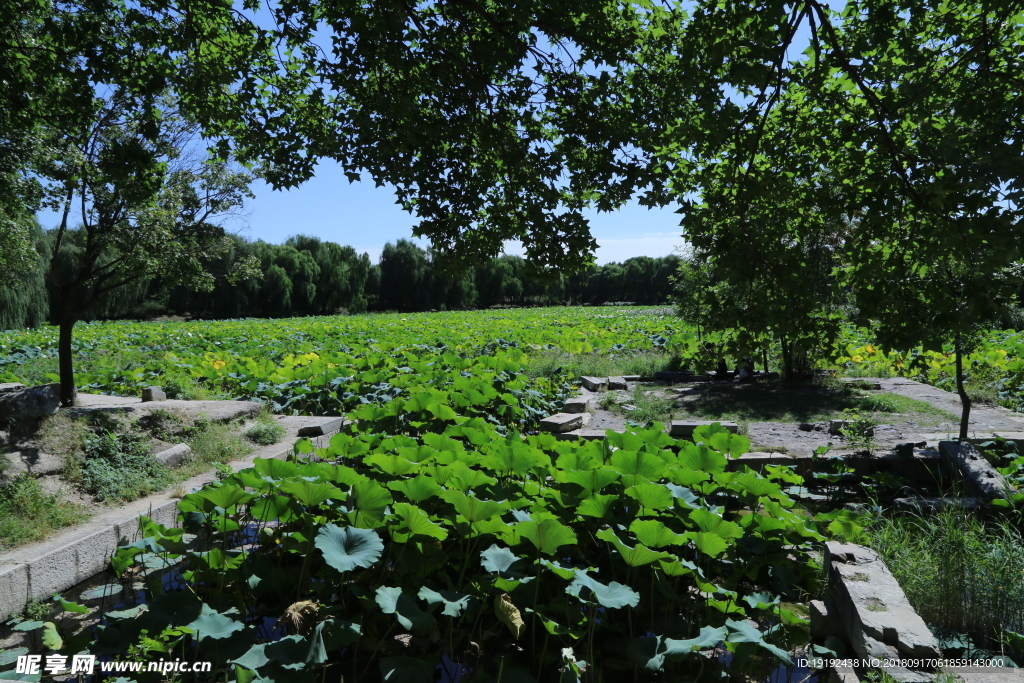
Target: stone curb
37,571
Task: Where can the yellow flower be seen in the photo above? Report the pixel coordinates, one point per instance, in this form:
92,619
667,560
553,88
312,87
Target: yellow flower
218,364
858,358
869,348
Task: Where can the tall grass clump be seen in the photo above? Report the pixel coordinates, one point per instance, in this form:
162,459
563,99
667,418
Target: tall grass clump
626,362
962,574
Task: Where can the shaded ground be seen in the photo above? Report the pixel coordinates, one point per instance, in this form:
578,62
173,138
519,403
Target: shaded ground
793,418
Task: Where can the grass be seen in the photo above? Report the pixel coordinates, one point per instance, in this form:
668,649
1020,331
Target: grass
780,401
215,444
643,363
27,513
960,573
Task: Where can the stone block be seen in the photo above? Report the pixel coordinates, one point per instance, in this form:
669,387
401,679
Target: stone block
153,394
14,591
594,383
30,403
617,384
825,620
684,429
877,617
166,514
982,478
53,572
11,386
335,424
93,553
175,455
561,422
578,404
631,378
585,434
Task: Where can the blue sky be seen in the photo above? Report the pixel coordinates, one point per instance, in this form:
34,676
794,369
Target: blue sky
366,217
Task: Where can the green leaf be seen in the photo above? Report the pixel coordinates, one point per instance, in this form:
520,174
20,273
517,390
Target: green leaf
393,601
98,592
546,535
454,603
224,496
473,509
369,500
654,534
212,624
417,490
51,638
598,506
72,606
592,481
638,466
710,544
271,507
345,548
709,521
414,522
650,496
614,595
311,494
636,556
28,625
745,632
701,459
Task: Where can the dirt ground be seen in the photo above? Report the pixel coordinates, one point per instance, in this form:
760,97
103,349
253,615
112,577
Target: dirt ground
795,419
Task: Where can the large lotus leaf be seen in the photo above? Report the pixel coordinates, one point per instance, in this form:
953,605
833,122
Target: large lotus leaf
614,595
51,637
369,500
681,493
745,632
654,534
406,670
223,497
418,489
548,535
653,652
393,601
711,522
591,481
756,485
733,445
439,442
577,461
311,494
597,506
473,509
454,603
274,468
498,559
270,507
414,522
212,624
700,458
345,548
711,544
638,466
513,457
392,464
650,496
11,656
637,556
466,478
626,441
12,676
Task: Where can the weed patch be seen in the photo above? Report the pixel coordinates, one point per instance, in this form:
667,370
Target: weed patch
265,432
27,513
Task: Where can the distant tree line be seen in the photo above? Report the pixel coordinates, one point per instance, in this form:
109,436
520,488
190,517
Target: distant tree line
309,276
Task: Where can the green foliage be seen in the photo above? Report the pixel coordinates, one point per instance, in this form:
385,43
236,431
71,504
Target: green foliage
265,433
962,573
118,467
28,513
479,537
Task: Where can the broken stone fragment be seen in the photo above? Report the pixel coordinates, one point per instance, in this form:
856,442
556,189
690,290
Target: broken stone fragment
617,384
153,394
578,404
29,403
561,422
594,383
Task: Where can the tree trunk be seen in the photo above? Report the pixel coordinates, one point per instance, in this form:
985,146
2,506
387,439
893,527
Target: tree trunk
965,400
66,361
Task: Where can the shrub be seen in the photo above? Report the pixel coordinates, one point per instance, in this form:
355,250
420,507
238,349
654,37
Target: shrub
118,467
265,433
